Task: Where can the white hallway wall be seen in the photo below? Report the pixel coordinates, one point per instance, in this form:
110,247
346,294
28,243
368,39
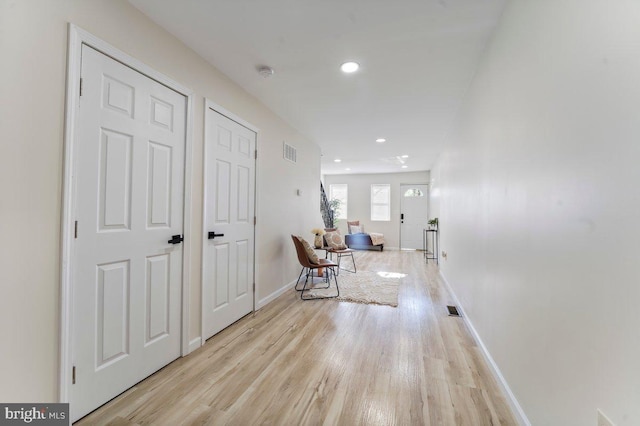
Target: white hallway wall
359,202
539,209
33,47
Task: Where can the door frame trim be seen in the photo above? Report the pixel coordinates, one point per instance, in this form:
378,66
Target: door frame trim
77,37
209,104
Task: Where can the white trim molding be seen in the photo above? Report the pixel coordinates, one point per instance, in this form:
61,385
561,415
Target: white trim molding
76,38
195,344
187,229
220,109
273,296
516,409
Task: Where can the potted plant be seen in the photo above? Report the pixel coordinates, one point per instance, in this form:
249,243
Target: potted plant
334,205
433,223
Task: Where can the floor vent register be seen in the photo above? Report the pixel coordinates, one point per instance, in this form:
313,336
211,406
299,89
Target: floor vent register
453,311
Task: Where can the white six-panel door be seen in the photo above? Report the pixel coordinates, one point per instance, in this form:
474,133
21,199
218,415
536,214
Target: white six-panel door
414,204
129,180
228,257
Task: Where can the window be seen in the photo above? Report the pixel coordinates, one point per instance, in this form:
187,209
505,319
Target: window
414,192
338,197
380,202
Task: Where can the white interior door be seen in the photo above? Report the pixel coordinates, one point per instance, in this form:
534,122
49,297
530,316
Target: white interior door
414,205
127,277
228,252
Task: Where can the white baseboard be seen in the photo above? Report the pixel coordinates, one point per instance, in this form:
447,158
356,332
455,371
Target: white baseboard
516,409
273,296
195,344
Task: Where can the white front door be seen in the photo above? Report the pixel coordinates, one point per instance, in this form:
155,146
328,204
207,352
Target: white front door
127,277
414,206
228,252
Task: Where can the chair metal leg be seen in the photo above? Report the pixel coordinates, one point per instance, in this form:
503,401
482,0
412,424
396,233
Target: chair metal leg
325,278
353,260
335,278
298,281
329,270
329,255
309,277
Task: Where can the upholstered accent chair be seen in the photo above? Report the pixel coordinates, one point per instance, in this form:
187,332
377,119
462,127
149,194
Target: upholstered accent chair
335,245
325,265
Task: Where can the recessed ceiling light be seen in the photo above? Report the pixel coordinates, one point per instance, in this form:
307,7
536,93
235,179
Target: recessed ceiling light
405,166
405,156
348,168
381,140
337,160
349,67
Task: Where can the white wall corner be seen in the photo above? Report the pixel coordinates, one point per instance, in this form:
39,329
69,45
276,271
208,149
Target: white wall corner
516,409
273,296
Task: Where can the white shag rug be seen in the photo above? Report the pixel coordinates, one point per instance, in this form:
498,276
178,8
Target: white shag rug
380,288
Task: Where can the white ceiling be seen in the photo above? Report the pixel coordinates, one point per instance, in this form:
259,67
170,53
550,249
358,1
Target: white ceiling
417,59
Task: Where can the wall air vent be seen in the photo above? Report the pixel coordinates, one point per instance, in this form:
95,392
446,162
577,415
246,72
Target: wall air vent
453,311
289,153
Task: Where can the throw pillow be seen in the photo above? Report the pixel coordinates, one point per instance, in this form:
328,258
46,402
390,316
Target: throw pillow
356,230
351,224
335,241
311,253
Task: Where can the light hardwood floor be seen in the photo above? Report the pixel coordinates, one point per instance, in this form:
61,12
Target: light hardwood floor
328,362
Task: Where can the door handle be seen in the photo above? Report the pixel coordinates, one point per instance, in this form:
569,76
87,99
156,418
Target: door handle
401,216
212,235
176,239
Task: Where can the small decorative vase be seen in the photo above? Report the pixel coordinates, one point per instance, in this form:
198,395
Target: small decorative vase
317,241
